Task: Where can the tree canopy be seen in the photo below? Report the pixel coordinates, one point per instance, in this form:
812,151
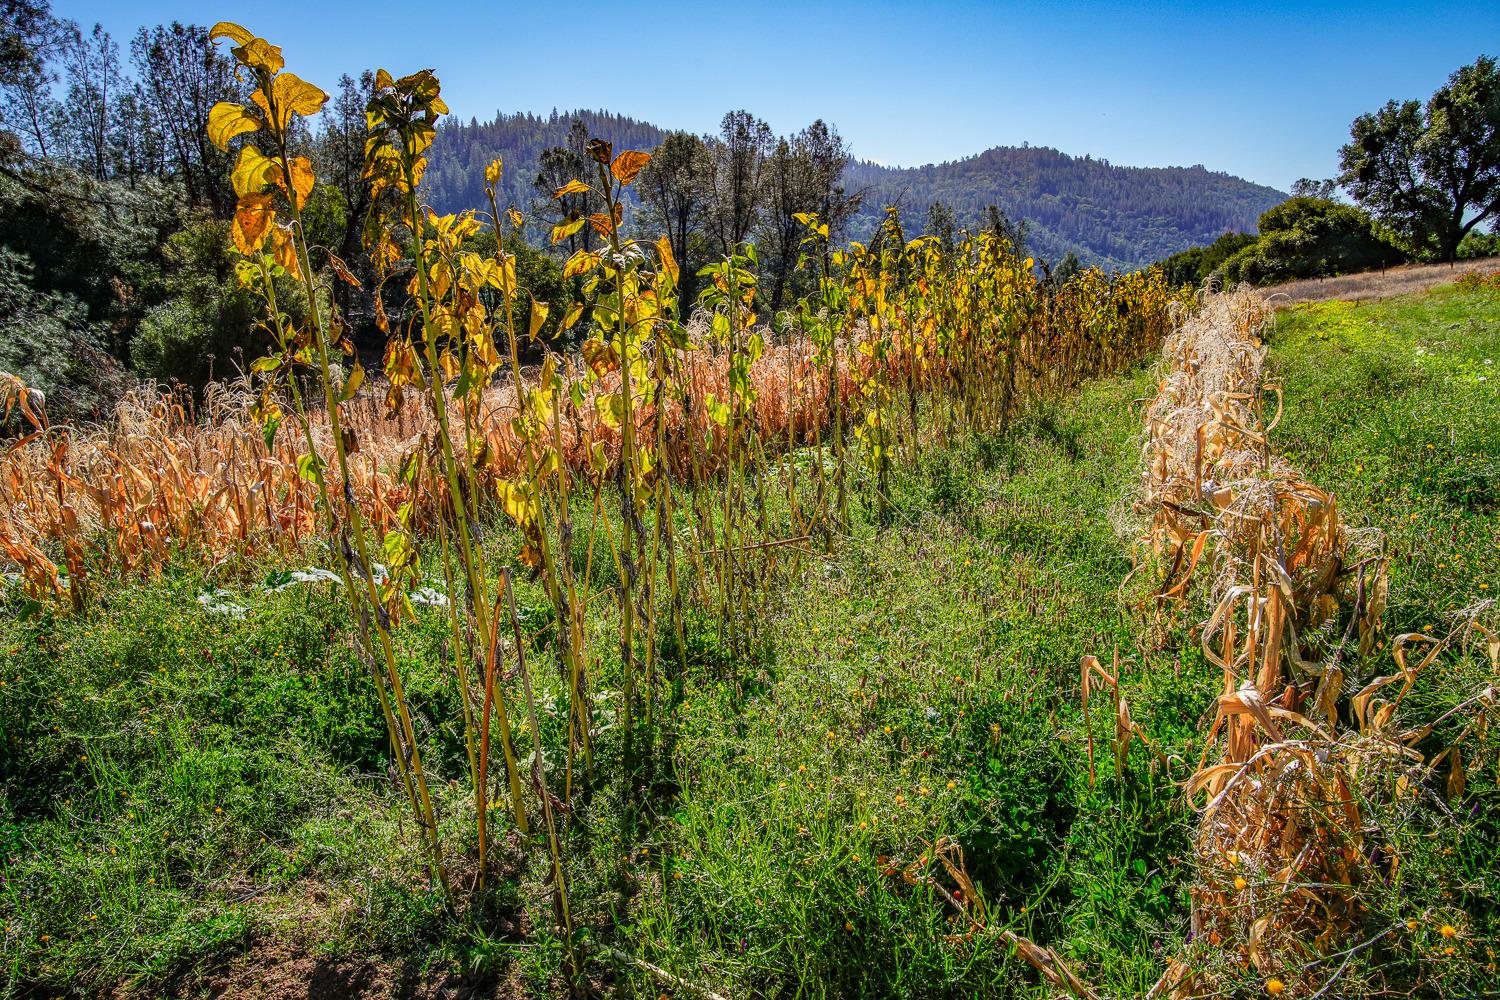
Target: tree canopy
1431,172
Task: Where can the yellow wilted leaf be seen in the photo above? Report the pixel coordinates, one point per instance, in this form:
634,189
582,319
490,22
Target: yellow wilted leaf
572,187
668,261
611,409
515,218
231,31
601,223
303,179
257,53
228,120
628,164
600,357
291,95
252,172
571,316
342,270
581,262
538,318
354,381
563,230
252,220
285,250
517,501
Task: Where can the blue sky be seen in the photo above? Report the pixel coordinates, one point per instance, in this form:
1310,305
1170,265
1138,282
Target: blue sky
1262,90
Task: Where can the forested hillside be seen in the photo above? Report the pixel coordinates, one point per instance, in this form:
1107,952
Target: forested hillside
1116,217
455,180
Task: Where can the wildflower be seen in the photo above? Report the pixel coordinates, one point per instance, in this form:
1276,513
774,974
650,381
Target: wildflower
951,786
849,925
1448,931
888,730
1239,883
1411,925
1274,987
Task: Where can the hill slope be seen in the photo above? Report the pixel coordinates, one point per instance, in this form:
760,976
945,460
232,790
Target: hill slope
1117,217
1112,216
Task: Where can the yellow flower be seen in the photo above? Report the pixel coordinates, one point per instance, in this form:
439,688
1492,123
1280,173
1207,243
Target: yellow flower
849,925
1448,931
1274,987
1239,883
1411,925
951,786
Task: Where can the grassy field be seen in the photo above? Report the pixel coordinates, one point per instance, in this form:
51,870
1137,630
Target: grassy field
194,768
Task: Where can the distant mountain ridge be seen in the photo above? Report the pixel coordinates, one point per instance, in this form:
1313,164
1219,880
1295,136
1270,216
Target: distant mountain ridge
1115,217
1112,216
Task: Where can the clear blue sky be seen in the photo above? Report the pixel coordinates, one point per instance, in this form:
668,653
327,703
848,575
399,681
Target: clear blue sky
1264,90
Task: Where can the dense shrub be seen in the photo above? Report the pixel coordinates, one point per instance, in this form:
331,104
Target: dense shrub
47,341
1311,238
207,325
1193,265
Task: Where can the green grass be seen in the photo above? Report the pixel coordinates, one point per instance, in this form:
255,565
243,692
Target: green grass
180,782
1395,408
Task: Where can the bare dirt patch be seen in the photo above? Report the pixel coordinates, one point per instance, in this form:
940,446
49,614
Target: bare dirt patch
272,969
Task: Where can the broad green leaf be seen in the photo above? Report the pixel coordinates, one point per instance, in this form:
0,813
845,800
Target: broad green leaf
308,467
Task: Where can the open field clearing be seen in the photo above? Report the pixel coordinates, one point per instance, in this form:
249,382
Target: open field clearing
188,785
1373,285
900,618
